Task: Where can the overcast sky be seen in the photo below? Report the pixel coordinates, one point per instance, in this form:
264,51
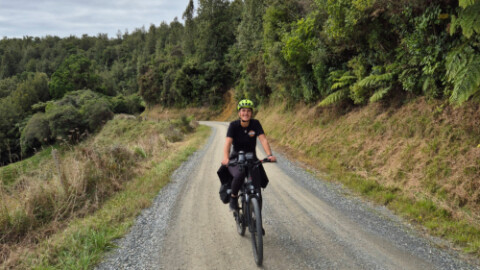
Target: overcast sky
19,18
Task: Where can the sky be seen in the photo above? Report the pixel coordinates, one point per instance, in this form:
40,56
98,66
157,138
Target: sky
63,18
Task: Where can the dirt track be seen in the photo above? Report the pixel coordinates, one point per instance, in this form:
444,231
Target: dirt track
309,225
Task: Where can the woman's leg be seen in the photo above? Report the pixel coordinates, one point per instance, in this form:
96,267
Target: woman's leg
237,181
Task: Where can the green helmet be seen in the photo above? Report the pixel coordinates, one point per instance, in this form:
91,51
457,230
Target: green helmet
245,103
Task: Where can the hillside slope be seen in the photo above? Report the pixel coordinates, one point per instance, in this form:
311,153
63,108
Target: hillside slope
421,158
63,209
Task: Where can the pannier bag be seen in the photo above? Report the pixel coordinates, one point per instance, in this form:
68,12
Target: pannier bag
259,176
224,196
225,180
224,175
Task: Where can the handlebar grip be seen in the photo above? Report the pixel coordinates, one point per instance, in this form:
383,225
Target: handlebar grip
267,160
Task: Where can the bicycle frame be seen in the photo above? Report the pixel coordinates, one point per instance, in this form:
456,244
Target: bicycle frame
248,190
250,214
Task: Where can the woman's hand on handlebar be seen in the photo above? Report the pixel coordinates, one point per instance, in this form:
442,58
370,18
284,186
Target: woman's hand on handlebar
225,161
272,159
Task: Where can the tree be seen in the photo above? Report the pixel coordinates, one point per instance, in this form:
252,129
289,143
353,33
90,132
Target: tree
149,83
9,62
33,89
215,32
281,77
150,41
76,72
189,37
250,29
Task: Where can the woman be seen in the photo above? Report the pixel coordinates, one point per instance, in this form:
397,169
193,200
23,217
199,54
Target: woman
242,134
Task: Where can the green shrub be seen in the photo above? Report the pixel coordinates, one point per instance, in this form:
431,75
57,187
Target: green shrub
96,113
132,104
63,120
36,132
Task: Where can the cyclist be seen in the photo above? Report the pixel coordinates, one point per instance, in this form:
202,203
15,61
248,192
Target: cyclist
242,134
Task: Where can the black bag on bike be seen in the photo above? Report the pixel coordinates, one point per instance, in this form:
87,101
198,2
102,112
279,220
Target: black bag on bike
224,196
225,180
259,176
224,175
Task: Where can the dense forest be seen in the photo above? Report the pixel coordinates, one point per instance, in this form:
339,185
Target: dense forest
324,52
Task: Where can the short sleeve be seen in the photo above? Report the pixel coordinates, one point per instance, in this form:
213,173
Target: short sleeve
230,130
259,130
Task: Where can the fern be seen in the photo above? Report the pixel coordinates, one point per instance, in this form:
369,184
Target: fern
463,71
375,80
347,77
467,19
455,62
339,85
466,3
334,98
380,94
344,81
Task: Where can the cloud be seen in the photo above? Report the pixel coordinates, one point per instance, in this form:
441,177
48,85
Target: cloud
67,17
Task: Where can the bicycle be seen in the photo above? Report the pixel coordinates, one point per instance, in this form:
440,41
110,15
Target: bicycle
250,213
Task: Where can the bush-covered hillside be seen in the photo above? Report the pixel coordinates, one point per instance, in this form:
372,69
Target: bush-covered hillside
316,51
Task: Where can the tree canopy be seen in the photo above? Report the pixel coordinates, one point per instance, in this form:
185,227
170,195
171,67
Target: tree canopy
321,52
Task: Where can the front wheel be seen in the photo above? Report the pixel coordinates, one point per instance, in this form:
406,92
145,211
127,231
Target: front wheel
240,219
255,227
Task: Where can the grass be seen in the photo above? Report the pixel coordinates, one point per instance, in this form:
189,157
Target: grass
80,241
11,172
84,243
421,163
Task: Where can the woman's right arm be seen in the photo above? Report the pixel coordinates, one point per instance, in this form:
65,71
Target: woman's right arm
226,150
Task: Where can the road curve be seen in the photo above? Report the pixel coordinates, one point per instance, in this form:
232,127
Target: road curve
309,224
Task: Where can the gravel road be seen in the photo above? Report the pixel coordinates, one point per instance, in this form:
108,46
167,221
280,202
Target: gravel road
309,224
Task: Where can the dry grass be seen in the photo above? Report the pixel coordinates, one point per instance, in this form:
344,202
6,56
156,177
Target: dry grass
162,113
421,150
76,181
226,113
229,109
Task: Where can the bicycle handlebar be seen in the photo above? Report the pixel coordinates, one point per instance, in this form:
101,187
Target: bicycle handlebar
267,160
255,162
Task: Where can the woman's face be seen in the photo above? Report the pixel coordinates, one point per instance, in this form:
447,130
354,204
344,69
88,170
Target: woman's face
245,114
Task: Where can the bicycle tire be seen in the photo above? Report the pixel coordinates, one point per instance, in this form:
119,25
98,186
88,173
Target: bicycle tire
256,230
240,220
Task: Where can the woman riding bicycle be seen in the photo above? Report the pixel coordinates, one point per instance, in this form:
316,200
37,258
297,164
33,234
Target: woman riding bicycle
242,134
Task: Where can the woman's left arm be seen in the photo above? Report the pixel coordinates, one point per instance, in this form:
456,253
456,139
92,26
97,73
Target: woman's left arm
266,147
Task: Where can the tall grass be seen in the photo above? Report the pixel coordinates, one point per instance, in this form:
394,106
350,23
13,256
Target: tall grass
77,181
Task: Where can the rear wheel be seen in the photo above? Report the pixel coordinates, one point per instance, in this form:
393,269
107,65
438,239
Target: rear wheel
255,227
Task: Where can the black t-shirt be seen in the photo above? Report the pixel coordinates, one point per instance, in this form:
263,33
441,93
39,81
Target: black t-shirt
244,139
